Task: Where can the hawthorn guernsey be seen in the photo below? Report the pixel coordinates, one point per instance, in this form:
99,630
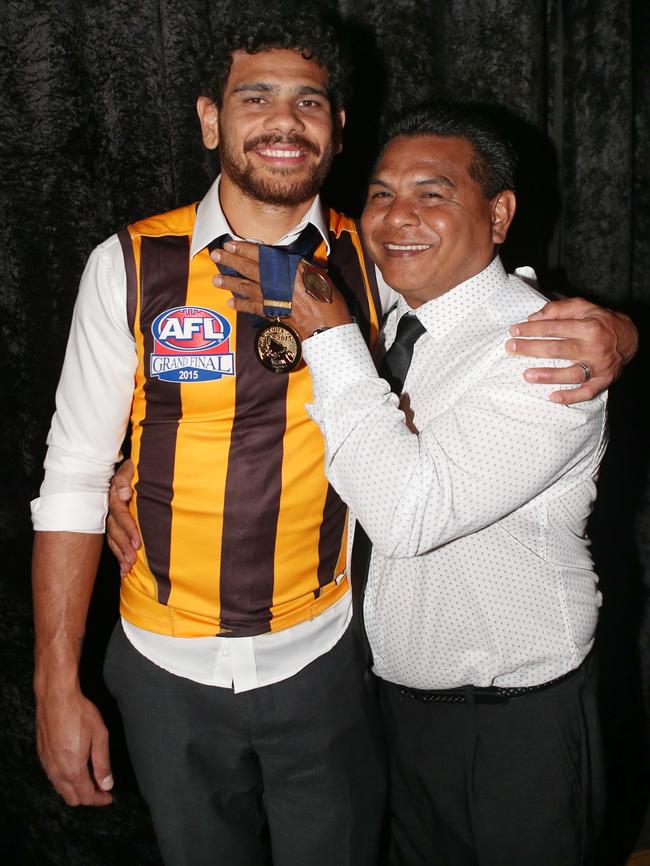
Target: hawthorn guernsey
191,344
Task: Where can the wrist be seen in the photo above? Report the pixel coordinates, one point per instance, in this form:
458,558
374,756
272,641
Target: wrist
55,671
323,328
50,684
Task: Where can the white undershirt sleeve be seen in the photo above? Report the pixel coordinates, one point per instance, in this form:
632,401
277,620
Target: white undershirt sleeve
93,401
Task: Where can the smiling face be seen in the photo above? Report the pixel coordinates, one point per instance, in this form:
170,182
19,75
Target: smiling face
427,222
275,129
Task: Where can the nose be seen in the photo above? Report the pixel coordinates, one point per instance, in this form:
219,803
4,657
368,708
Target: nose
283,117
401,213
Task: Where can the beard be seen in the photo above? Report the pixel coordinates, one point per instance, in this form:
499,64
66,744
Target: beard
282,187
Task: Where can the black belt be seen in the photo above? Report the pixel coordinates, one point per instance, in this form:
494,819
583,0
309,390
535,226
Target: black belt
479,694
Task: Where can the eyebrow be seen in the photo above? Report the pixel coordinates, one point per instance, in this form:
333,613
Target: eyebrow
265,87
438,180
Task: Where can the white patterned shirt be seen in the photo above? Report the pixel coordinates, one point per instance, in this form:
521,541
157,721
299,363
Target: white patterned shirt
476,499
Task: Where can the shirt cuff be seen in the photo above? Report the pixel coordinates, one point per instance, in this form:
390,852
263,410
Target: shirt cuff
70,512
337,359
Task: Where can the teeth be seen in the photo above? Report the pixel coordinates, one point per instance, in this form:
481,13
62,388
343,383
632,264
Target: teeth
416,247
280,153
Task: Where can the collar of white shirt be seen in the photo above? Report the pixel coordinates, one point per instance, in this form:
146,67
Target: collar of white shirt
441,315
211,222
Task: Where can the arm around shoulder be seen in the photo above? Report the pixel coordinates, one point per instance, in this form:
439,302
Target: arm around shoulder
574,328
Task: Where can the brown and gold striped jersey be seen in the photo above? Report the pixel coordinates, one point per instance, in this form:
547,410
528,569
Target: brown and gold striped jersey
241,532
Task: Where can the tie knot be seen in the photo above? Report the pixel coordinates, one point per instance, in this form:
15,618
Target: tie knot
397,359
409,330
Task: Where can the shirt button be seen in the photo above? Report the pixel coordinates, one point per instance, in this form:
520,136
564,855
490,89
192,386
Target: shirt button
225,652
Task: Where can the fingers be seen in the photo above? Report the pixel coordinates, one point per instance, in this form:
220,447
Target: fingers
241,257
573,375
121,518
565,308
239,287
100,759
586,330
121,531
566,349
80,790
120,545
604,340
309,314
244,305
122,479
600,356
69,738
577,395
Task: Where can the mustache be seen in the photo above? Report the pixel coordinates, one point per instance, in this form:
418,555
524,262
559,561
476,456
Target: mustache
297,141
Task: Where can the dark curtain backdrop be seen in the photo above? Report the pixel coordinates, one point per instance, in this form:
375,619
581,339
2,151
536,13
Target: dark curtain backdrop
98,128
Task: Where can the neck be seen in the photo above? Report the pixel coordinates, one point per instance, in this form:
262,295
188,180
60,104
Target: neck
419,297
250,218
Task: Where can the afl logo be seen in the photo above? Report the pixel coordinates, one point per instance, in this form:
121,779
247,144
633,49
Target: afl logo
191,344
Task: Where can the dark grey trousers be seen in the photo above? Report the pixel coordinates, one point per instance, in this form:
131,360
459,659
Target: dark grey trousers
514,784
292,773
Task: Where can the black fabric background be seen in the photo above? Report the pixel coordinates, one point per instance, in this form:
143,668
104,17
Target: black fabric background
97,128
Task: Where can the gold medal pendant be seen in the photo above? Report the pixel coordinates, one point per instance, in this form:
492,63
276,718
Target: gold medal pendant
316,283
278,347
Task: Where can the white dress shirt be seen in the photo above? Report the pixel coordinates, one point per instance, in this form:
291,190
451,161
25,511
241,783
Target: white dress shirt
93,405
476,496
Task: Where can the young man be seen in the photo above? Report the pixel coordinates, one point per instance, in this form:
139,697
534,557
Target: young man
234,667
237,676
481,602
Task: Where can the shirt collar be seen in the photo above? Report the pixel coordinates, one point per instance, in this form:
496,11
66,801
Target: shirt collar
441,315
211,222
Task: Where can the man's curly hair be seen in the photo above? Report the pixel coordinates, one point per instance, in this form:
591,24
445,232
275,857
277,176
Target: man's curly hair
314,30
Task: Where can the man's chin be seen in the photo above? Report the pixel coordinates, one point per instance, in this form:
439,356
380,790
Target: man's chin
283,192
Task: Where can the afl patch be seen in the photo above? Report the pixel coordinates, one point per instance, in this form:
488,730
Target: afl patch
191,344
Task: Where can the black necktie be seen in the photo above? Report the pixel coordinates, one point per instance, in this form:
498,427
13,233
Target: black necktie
393,368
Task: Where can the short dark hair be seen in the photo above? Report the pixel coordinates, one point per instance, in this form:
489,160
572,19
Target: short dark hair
316,31
494,164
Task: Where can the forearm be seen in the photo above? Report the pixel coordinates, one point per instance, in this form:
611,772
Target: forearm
72,740
63,573
416,490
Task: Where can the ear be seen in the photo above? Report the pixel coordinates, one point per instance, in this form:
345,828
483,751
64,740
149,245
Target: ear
503,207
339,123
209,117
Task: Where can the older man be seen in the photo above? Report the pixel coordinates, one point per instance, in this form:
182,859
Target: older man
481,602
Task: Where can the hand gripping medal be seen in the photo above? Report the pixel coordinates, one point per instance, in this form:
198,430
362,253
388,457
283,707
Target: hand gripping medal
316,283
277,345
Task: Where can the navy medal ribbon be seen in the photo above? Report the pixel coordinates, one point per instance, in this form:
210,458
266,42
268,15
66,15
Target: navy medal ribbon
277,273
277,345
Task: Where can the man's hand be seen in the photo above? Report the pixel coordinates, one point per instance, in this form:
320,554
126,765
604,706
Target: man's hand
307,314
72,740
72,743
121,532
583,332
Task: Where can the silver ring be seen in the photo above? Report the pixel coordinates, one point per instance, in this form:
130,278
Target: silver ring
587,370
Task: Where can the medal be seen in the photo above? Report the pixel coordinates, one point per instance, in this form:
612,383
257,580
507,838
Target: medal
278,347
316,283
